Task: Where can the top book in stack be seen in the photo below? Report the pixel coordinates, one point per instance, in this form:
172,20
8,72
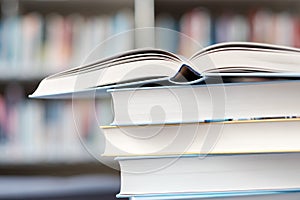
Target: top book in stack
145,66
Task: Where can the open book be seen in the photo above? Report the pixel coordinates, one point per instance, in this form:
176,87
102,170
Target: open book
233,59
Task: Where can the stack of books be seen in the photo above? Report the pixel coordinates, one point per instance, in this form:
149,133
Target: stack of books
222,124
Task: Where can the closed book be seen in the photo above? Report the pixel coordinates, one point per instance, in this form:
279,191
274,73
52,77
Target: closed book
209,174
239,137
185,104
245,195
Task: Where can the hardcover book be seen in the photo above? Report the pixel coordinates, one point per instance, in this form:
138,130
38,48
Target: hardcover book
238,59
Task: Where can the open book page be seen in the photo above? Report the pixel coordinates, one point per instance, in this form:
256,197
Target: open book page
249,59
129,67
237,59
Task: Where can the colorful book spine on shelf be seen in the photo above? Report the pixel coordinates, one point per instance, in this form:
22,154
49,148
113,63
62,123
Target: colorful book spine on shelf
44,131
35,44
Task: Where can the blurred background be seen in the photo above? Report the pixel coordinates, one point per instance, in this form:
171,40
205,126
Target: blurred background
41,154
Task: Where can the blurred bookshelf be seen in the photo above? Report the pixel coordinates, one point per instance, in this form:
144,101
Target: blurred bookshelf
41,37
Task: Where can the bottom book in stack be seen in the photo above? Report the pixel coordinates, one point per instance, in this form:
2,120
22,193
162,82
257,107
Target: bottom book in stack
251,195
231,176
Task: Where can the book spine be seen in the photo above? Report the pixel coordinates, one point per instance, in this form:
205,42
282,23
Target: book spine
35,44
34,131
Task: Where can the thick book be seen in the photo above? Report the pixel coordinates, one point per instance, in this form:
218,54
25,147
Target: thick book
197,103
151,65
238,137
211,174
